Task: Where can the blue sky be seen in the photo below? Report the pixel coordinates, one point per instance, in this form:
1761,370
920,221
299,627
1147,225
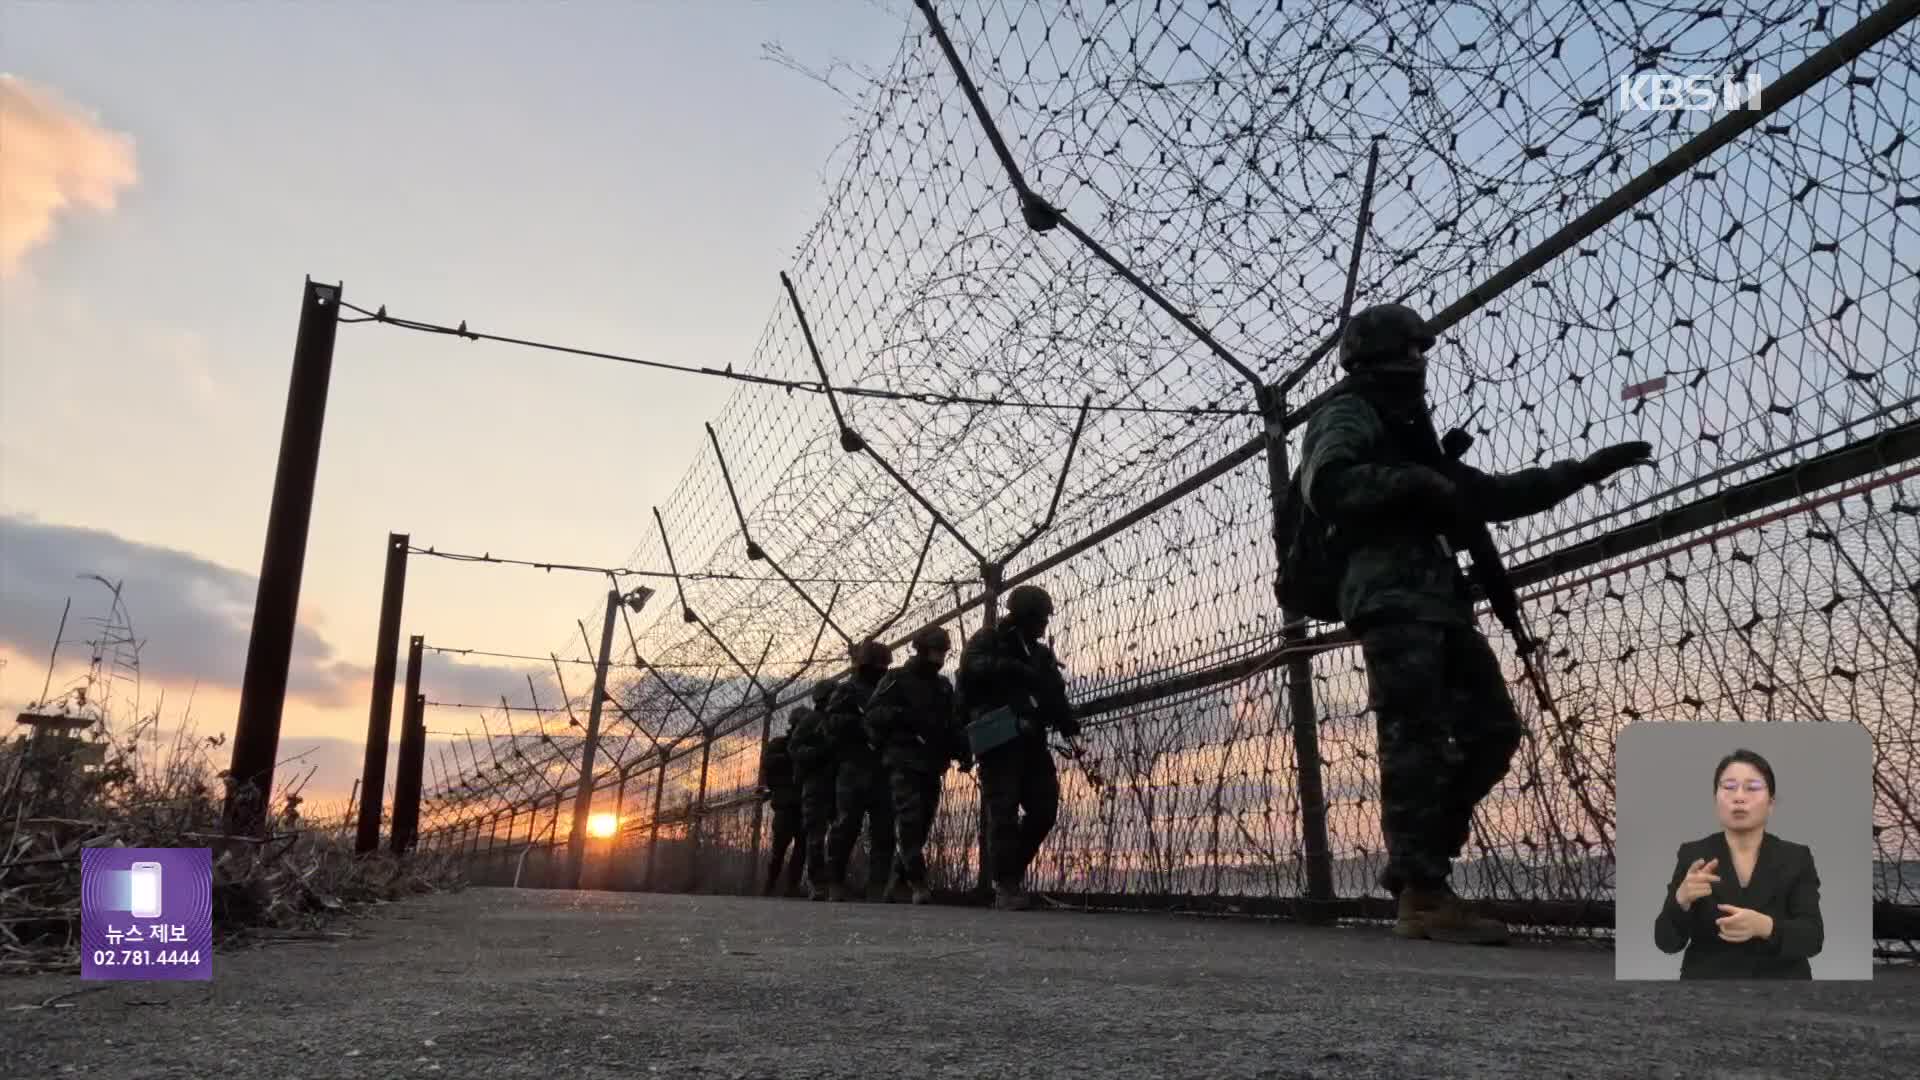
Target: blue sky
630,177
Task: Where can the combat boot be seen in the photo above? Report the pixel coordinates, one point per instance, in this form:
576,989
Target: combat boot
922,894
1009,896
816,892
898,891
1438,914
838,892
1408,923
1390,882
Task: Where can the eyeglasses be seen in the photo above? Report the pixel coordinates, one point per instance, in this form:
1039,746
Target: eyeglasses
1754,787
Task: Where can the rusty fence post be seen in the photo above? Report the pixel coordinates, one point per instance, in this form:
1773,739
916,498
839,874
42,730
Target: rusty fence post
263,686
408,783
373,772
413,753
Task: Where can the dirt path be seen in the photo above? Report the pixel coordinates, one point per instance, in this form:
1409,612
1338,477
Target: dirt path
500,984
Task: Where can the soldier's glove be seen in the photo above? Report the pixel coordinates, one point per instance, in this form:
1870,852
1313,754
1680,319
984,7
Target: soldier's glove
1608,460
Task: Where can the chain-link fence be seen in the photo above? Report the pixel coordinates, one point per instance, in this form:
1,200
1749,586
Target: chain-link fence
1754,317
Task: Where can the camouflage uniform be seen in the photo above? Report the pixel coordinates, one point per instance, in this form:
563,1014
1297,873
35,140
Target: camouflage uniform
861,795
1002,666
781,789
1447,726
818,768
1373,470
911,719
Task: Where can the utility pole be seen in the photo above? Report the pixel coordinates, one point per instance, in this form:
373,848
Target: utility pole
583,799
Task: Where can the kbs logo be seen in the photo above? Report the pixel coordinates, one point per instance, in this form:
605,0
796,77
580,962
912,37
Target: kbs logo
1653,92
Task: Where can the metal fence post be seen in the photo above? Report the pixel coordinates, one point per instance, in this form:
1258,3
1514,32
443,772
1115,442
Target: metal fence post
992,580
759,805
653,838
373,772
699,813
263,686
583,800
413,754
616,858
1302,713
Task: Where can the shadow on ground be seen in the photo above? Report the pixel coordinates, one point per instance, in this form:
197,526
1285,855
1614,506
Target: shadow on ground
505,984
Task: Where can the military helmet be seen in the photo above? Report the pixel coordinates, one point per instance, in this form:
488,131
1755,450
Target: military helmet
1029,601
822,690
1377,337
932,639
872,654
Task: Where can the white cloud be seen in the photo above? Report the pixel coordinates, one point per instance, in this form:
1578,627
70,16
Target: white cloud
54,158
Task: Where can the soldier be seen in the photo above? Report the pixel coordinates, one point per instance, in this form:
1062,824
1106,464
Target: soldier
911,719
780,786
860,788
1372,470
818,770
1008,665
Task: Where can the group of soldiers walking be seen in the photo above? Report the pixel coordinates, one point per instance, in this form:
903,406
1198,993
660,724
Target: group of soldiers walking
1389,505
870,757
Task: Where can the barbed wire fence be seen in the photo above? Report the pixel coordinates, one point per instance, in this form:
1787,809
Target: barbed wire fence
1604,274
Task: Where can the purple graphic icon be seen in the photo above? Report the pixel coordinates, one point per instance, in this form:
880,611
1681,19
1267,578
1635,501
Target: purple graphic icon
146,913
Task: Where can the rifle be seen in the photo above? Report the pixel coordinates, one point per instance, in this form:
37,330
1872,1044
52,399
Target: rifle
1491,575
1058,707
1492,578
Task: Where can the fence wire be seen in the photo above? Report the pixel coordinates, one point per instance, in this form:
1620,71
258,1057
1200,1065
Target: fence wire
1769,295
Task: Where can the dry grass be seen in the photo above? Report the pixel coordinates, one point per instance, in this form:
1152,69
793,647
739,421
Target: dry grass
153,794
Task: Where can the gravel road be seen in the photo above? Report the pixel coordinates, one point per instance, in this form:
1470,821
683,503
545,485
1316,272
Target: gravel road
502,984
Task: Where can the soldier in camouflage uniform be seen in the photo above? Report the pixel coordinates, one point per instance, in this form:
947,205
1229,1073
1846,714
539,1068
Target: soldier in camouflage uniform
1009,665
861,795
911,719
780,786
817,768
1372,470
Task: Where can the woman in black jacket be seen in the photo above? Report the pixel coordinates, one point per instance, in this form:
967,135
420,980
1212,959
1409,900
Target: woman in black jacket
1743,903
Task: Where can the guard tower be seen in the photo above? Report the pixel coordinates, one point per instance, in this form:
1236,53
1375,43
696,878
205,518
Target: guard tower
53,745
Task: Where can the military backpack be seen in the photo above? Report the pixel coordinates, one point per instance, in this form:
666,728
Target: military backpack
1309,579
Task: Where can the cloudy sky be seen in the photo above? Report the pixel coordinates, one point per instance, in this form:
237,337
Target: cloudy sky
628,177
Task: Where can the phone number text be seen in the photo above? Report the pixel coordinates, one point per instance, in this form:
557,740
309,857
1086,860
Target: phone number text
144,957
